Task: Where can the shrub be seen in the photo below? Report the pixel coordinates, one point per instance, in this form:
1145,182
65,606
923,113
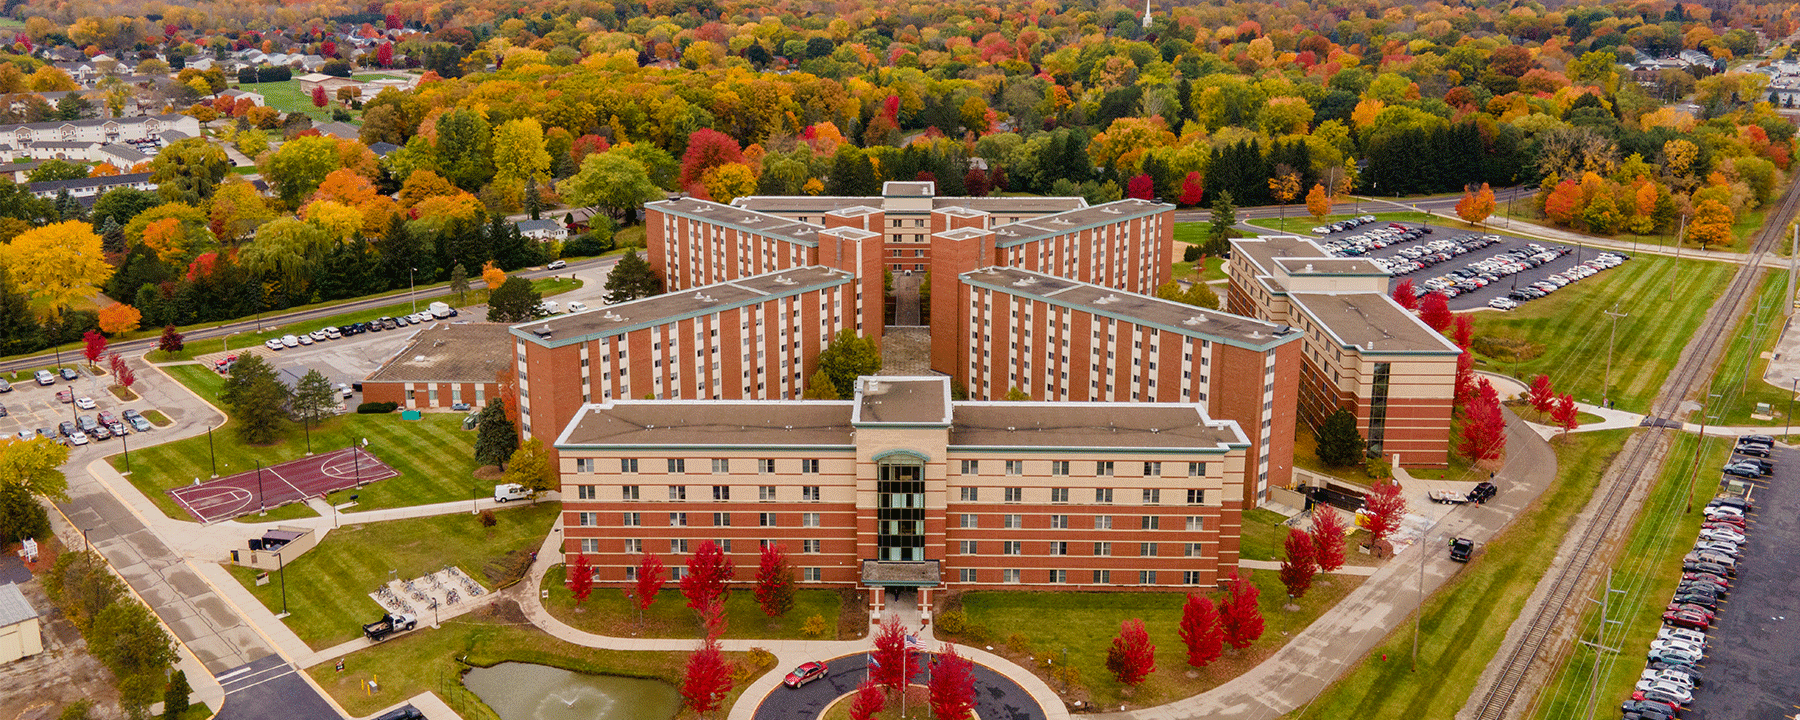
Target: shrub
376,408
952,621
1019,643
597,242
488,519
1191,254
814,627
1378,468
977,634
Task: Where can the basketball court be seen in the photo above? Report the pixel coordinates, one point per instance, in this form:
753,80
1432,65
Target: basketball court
276,485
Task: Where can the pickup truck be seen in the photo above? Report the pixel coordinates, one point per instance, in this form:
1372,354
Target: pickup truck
1461,549
388,625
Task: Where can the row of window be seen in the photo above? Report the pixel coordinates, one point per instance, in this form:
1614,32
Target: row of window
812,493
1195,523
1102,468
1061,577
677,493
810,466
1102,496
1061,547
680,519
678,466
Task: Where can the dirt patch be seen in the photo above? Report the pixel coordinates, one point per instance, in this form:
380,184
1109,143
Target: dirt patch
489,472
853,617
507,569
1506,348
38,687
504,611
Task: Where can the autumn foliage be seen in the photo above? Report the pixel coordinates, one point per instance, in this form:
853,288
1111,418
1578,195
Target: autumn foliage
893,664
1200,631
1476,204
1384,507
1300,564
1567,416
707,679
1483,425
707,572
775,581
1131,658
649,582
952,686
1239,616
123,375
119,318
581,578
1328,529
1543,397
1434,309
93,346
1406,295
869,701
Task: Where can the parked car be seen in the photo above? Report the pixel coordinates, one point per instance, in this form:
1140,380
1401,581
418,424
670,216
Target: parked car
138,422
1718,580
78,438
1701,586
332,333
1688,672
65,395
1707,567
1650,688
1741,503
807,672
1694,636
69,374
86,422
1674,656
1656,696
2,411
66,428
1710,602
1743,470
1722,535
304,339
1754,449
1660,644
5,386
1722,512
99,432
44,377
319,336
84,402
273,344
290,341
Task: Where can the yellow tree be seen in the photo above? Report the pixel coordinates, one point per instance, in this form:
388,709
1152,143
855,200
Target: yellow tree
119,318
1285,186
59,263
1318,202
1711,224
1476,205
493,276
728,182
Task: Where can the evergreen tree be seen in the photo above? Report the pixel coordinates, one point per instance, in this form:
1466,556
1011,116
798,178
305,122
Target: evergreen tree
175,699
819,387
19,329
459,281
495,436
256,398
516,301
1220,232
1340,445
534,202
112,236
631,279
852,174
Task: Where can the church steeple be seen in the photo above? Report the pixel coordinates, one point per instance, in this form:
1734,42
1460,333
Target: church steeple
1146,14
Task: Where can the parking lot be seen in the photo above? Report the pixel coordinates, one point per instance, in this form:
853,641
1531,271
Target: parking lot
1755,647
1480,297
30,406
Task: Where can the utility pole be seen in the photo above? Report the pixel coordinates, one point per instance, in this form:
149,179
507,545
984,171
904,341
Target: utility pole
1599,635
1680,236
1606,387
1699,444
1793,272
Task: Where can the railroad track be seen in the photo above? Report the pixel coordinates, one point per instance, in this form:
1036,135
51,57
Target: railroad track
1634,464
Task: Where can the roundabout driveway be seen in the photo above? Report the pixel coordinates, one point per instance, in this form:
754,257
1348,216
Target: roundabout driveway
997,698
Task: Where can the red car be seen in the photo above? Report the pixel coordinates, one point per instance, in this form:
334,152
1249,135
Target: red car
65,396
1707,577
1687,619
806,673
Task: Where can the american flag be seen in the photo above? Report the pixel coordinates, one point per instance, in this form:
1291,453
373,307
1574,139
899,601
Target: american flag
914,643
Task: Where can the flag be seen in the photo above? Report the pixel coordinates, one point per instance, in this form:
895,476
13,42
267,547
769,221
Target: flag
873,662
914,643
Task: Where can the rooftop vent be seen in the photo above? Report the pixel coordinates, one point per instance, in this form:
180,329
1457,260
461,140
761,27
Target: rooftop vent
1309,268
781,280
1283,329
1061,221
751,220
418,358
703,297
1024,282
1112,211
1108,300
542,331
1195,320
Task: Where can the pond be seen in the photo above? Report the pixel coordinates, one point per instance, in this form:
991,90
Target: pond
523,691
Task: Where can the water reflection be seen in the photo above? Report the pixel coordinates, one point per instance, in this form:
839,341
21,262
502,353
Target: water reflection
523,691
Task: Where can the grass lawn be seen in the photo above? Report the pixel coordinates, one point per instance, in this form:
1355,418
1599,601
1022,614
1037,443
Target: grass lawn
287,97
546,287
1566,335
1264,534
1647,569
1085,624
1464,621
607,612
432,661
434,455
630,237
1739,379
328,587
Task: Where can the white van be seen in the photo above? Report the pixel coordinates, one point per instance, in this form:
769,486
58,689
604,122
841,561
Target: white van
510,491
576,306
549,307
441,310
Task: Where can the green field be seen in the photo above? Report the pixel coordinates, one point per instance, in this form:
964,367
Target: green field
1464,621
434,455
287,97
1648,569
607,612
1085,623
1566,334
328,588
433,660
1738,383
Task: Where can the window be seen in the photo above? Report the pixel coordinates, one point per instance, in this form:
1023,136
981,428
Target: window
1059,547
724,545
807,574
587,519
809,466
628,465
1150,522
971,467
1010,547
1103,496
1101,577
1153,469
1146,577
1196,497
677,492
766,466
1059,467
586,492
1015,467
1102,522
765,493
1059,495
810,547
590,545
721,492
1193,550
766,519
1147,550
809,519
721,465
1152,496
965,575
970,494
677,573
1059,576
1014,522
1102,548
1196,469
1059,522
1196,523
969,521
1103,468
678,519
1012,575
968,547
1190,577
634,545
584,465
677,466
1014,494
631,519
678,546
809,493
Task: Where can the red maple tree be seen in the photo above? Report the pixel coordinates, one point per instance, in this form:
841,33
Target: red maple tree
975,182
1463,334
891,664
1239,615
1298,568
1140,186
869,701
1434,309
1465,379
1543,397
649,583
93,346
1200,631
707,149
1385,506
1483,426
1328,530
581,578
1406,294
121,371
1191,191
318,96
707,572
1131,658
385,54
775,581
1566,414
952,686
708,678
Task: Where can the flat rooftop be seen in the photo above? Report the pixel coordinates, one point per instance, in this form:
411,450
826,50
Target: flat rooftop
741,218
1066,222
882,399
824,204
711,423
624,317
1167,315
1092,425
1329,266
474,352
1372,323
1264,251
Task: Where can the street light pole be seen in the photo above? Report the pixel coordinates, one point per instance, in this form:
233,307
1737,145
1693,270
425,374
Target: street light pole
411,288
127,447
281,569
260,500
211,452
1789,429
1606,387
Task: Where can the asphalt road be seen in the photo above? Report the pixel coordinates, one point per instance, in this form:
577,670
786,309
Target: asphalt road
997,698
423,297
1750,670
269,688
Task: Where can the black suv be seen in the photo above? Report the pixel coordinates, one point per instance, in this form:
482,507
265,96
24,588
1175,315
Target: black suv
1461,549
1483,492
